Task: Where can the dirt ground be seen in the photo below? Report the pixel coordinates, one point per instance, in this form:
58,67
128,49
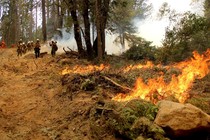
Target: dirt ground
31,102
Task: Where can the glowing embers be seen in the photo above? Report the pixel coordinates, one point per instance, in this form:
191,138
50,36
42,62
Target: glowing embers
84,69
157,89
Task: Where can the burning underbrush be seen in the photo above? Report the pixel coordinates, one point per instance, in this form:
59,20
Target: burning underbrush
156,89
151,82
127,112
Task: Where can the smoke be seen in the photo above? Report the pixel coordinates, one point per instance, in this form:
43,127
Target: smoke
153,29
67,40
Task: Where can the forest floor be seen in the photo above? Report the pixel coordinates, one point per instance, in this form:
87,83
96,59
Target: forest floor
34,104
30,107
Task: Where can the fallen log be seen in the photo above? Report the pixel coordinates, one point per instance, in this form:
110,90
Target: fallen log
71,52
116,84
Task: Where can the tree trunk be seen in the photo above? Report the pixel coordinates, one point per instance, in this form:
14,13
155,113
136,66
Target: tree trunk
99,31
61,15
57,14
122,41
77,34
36,18
101,20
48,10
87,28
0,12
31,21
44,27
13,28
105,12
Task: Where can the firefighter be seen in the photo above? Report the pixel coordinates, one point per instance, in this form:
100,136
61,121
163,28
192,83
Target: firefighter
37,48
3,44
19,48
24,48
28,46
32,44
54,48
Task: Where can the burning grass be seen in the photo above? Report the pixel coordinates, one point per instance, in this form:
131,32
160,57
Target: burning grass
135,116
157,89
151,82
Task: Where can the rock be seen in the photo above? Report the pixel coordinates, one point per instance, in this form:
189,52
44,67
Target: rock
181,119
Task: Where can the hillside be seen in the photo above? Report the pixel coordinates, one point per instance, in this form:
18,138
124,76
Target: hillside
38,102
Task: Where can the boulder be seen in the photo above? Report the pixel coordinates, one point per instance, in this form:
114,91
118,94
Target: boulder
181,119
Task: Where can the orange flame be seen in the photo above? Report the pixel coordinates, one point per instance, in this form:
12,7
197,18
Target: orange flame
149,64
84,69
158,89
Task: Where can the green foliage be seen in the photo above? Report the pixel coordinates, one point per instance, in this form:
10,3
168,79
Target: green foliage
187,35
139,49
88,85
128,120
139,53
122,12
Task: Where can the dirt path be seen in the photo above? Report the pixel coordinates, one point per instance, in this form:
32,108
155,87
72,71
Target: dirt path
28,107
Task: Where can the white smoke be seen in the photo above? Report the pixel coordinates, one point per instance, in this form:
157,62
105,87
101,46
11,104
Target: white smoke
68,41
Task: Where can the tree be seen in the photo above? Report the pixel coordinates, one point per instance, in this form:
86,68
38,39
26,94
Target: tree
187,35
44,27
139,48
85,14
102,10
72,7
9,25
122,14
31,21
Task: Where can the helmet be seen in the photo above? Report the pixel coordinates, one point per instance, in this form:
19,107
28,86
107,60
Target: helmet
20,41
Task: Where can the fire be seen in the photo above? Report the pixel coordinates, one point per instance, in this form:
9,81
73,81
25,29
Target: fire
84,69
149,64
158,89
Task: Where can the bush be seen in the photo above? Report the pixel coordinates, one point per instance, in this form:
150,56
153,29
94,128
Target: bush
126,120
139,52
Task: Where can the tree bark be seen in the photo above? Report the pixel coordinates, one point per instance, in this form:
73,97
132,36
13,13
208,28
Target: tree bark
13,28
31,21
87,28
99,29
48,10
77,35
44,27
102,9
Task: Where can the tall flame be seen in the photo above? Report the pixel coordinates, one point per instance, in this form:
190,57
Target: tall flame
157,89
